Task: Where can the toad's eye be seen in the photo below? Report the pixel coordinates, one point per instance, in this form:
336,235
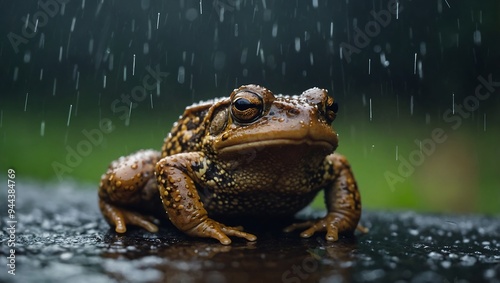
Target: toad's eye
246,107
331,109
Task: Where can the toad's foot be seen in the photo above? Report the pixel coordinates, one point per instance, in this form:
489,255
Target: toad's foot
332,223
120,217
212,229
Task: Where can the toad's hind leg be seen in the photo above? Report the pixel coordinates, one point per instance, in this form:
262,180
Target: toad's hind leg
128,190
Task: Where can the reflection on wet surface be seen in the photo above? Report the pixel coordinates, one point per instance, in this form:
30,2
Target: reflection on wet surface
62,238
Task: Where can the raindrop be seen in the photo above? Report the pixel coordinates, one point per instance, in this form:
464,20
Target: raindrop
311,58
41,74
60,53
331,29
26,22
36,26
423,48
104,82
283,68
415,64
258,47
41,43
235,30
477,37
369,66
145,48
158,88
124,73
297,44
371,112
99,7
215,78
73,24
133,66
54,87
77,80
69,114
377,48
315,3
158,21
440,6
149,29
63,8
83,4
26,101
264,4
397,10
245,72
383,60
111,61
42,128
201,7
127,121
91,45
16,72
453,103
27,56
151,98
181,74
397,152
411,105
274,30
420,69
262,58
448,4
221,14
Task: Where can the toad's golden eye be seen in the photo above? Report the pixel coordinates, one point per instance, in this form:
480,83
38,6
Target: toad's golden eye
246,107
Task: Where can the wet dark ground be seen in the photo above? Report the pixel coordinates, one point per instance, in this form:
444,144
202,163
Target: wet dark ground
61,237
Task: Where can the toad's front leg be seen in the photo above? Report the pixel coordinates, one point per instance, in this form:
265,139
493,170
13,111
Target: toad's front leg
176,176
343,202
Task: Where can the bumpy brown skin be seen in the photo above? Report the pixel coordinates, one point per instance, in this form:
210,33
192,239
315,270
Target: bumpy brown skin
252,154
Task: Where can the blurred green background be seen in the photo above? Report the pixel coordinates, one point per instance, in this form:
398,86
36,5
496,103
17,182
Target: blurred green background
88,56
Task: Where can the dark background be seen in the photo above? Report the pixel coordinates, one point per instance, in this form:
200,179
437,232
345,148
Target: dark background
256,42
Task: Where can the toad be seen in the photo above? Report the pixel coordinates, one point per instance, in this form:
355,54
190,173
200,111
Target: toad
253,154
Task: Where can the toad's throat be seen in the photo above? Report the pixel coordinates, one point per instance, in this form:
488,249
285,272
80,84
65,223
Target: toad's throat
276,143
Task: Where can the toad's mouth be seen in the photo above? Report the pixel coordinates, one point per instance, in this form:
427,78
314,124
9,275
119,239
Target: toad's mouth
277,143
